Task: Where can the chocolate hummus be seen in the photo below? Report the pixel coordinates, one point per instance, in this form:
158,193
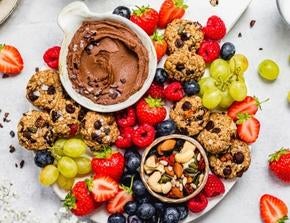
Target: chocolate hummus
106,62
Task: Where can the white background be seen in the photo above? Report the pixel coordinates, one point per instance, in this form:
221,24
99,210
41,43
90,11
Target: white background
32,28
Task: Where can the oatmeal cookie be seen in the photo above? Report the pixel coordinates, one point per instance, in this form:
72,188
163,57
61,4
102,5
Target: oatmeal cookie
183,34
217,134
184,66
189,115
35,131
99,129
234,162
64,117
44,89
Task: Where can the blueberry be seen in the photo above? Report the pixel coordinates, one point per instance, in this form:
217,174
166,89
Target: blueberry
139,189
133,163
116,218
43,158
160,76
130,152
145,199
131,208
122,11
171,215
134,219
166,127
146,211
227,51
183,211
191,88
160,208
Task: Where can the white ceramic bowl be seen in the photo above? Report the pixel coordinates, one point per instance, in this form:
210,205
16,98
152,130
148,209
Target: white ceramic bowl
70,19
283,8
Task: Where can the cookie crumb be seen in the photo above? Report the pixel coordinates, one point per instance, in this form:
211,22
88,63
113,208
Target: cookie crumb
16,165
214,2
252,23
240,35
36,69
21,164
12,134
1,126
5,119
12,149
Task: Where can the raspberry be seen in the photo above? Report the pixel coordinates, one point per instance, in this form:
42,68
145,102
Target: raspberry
214,186
198,203
51,57
174,91
126,117
124,140
143,136
209,50
156,91
215,28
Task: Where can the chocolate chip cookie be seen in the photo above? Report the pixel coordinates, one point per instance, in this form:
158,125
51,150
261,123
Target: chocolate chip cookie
64,117
99,129
35,131
184,66
189,115
183,34
234,162
44,89
217,134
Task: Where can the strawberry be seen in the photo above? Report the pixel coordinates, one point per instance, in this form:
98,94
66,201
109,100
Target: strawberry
150,110
214,186
146,18
156,90
160,44
117,203
209,50
143,136
126,117
80,200
272,209
249,105
51,57
103,188
11,62
108,163
198,203
124,140
215,28
279,164
248,128
170,10
174,91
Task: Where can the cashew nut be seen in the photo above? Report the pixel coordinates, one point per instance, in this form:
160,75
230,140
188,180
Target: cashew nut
153,182
186,153
151,164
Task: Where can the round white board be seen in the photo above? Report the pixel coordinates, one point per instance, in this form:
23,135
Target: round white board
6,8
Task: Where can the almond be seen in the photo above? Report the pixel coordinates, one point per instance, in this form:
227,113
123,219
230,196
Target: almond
166,146
170,172
178,169
175,193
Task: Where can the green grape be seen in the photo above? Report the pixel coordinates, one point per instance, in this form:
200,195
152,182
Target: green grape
74,148
227,99
57,148
48,175
206,84
238,90
239,64
220,70
211,98
84,165
269,70
67,167
65,183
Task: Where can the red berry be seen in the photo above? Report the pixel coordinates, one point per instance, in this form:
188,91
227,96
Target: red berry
126,117
174,91
209,50
156,90
279,164
51,57
198,203
143,136
74,128
215,28
124,140
214,186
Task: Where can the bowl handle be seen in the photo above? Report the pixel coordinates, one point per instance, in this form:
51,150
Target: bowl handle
71,16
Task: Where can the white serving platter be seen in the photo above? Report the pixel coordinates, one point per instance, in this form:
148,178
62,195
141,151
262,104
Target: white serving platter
6,8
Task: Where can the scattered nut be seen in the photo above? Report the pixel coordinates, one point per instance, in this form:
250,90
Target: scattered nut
186,153
178,169
175,193
169,171
166,146
157,187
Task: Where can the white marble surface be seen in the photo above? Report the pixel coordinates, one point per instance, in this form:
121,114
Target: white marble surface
32,28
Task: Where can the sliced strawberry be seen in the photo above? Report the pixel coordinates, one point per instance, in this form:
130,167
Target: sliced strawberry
160,45
272,209
104,188
248,128
11,61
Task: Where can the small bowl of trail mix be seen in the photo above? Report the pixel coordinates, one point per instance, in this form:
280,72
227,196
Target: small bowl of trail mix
174,168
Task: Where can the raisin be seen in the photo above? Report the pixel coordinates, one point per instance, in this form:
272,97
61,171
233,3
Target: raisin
180,66
51,90
32,97
179,43
70,108
97,124
209,125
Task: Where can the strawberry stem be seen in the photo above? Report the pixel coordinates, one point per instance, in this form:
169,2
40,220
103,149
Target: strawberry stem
282,220
140,10
276,155
259,103
158,37
2,47
70,201
242,117
180,4
154,102
128,189
104,153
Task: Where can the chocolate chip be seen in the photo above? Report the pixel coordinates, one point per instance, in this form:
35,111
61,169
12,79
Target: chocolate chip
123,80
186,106
183,131
39,122
96,137
252,23
179,43
12,149
113,95
227,171
32,140
70,108
54,116
107,131
97,124
32,97
27,135
185,36
21,164
216,130
199,117
76,66
209,125
51,90
89,48
12,134
189,72
239,158
240,173
180,66
82,113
